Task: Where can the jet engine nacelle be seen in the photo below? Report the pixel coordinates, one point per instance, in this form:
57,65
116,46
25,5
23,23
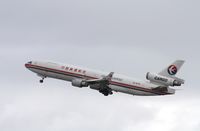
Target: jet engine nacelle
79,83
163,80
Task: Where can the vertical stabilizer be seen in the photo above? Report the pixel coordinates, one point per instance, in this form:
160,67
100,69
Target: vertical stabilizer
172,69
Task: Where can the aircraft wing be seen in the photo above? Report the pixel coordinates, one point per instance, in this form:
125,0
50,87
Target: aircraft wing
101,84
105,80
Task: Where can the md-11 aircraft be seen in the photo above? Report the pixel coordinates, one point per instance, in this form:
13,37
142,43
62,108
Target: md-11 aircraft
107,83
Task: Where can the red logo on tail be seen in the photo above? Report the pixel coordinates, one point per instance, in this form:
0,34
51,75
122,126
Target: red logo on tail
172,70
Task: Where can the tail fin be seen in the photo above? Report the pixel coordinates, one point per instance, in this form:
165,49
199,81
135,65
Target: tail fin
172,69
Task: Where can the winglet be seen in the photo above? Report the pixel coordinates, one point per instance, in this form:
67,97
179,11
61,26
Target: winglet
109,76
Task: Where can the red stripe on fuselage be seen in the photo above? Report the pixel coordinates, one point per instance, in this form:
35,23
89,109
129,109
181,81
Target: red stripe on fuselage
84,76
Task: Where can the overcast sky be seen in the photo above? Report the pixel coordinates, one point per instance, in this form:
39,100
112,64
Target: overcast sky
124,36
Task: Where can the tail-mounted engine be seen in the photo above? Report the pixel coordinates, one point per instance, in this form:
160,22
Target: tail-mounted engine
164,80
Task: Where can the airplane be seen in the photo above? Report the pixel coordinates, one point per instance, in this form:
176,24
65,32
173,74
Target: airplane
107,83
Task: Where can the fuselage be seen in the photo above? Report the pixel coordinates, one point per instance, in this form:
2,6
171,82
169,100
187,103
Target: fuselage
118,83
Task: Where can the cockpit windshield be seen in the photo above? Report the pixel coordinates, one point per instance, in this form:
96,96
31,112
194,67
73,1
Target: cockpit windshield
30,62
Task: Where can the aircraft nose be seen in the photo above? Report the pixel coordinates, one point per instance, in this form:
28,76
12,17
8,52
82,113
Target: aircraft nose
28,64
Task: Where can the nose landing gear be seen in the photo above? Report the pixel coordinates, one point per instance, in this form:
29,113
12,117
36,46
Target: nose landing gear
41,81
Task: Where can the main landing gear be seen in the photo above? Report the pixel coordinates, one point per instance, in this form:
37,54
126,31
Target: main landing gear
106,91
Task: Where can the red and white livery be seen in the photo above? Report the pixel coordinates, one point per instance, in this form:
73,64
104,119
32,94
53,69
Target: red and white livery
107,83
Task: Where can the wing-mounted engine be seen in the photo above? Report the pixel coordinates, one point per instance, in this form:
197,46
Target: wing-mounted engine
79,83
101,84
163,80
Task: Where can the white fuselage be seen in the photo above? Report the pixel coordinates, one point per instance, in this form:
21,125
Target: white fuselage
118,82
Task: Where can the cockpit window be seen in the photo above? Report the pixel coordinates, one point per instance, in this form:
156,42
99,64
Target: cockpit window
30,62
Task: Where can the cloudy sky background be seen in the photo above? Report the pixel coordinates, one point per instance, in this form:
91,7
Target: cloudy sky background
128,37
